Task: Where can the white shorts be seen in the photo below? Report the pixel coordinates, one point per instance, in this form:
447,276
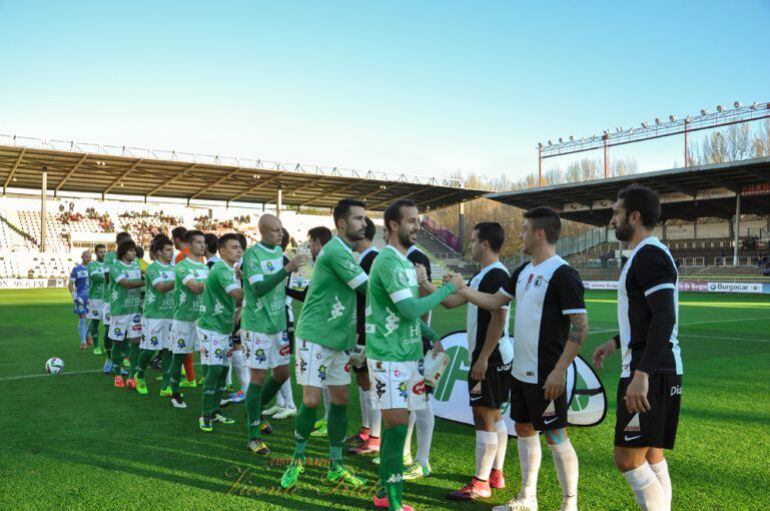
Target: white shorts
184,338
397,385
156,334
106,313
95,309
127,326
215,347
266,351
319,366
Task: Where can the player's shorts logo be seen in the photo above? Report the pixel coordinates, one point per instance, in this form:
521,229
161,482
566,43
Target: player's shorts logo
219,353
285,350
259,355
676,390
421,367
302,366
154,340
347,367
180,343
137,318
118,332
402,390
419,388
322,373
379,387
205,352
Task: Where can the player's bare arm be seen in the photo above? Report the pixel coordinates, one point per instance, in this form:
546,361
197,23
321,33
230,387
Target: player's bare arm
485,301
556,381
603,351
494,331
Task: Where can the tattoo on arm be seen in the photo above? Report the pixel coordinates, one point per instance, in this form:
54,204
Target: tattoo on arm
579,330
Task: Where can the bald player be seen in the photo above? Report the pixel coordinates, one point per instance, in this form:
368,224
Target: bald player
78,287
263,322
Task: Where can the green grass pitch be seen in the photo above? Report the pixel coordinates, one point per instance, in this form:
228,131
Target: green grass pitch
75,442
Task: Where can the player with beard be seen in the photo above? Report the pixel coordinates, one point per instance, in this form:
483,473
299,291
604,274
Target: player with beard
650,386
325,331
394,331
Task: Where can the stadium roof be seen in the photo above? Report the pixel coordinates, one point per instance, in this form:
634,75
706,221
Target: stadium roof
120,170
686,193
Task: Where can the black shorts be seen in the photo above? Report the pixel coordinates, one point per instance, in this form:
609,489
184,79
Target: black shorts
657,427
495,387
528,404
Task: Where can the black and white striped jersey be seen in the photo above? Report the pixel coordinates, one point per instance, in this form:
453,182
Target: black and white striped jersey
545,295
489,279
648,311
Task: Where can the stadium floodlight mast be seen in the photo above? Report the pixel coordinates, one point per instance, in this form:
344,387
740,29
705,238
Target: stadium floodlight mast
723,116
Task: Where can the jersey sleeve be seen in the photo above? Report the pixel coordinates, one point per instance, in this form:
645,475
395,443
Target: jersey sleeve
396,282
348,270
226,279
183,273
494,281
655,271
116,275
569,288
74,274
152,275
509,289
252,269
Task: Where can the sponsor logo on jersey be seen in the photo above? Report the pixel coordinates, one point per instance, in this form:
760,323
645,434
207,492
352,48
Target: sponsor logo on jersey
337,309
218,308
391,322
539,281
529,281
676,390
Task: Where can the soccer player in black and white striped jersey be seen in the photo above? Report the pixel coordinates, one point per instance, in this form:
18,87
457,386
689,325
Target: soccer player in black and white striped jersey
650,386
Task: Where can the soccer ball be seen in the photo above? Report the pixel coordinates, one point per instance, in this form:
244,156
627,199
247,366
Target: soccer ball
54,365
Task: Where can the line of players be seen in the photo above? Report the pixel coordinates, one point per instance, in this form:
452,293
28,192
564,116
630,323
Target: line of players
388,346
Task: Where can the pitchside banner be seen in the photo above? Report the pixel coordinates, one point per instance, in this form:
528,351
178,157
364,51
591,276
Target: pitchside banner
699,286
587,399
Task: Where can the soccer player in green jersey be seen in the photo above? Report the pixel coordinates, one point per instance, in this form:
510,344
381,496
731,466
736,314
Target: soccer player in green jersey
326,330
125,305
96,283
158,310
394,331
263,322
190,280
215,328
109,259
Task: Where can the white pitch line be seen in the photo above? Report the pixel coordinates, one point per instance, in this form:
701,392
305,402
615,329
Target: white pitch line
25,376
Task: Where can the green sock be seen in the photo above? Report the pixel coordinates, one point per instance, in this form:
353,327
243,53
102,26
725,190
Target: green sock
144,358
210,390
303,426
337,428
95,332
107,342
221,386
126,347
204,370
392,464
269,389
133,358
117,357
176,370
254,409
165,365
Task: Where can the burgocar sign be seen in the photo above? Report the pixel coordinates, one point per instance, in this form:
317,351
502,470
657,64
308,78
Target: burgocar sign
735,287
587,399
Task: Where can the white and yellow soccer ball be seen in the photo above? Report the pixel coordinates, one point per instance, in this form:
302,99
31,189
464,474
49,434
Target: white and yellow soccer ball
54,365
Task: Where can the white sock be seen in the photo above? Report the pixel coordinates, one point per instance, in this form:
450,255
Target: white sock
375,421
229,377
327,402
424,423
661,472
530,455
365,402
239,368
409,430
82,332
647,489
566,461
502,444
286,393
486,449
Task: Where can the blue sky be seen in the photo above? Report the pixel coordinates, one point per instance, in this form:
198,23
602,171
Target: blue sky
427,87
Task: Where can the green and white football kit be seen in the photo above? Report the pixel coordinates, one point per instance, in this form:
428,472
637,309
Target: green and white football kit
158,308
263,319
326,328
96,284
125,304
217,320
187,305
